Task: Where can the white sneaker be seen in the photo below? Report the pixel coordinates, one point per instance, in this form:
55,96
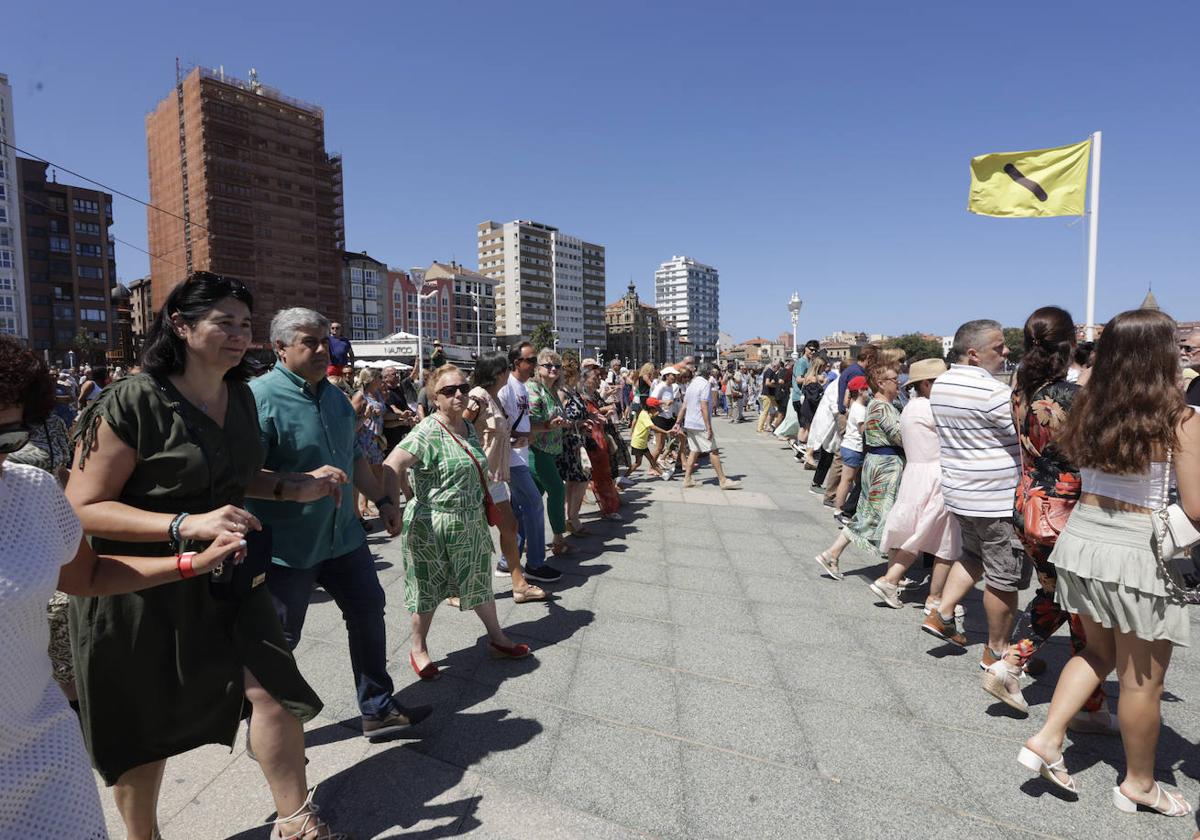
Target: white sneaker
668,475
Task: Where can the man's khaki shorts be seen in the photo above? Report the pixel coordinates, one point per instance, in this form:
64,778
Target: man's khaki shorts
989,550
699,442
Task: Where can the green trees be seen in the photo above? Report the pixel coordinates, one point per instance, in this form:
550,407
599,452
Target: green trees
542,337
916,346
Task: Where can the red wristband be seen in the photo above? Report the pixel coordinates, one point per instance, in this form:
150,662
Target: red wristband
183,562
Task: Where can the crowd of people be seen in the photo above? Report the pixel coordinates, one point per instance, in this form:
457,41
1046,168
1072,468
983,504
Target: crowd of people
1064,470
166,526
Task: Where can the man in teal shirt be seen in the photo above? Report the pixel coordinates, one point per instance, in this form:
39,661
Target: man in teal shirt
303,420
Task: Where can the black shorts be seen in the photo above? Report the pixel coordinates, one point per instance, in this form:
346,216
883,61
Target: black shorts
637,450
664,423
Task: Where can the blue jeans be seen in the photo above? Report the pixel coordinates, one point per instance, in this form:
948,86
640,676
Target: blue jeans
531,516
352,582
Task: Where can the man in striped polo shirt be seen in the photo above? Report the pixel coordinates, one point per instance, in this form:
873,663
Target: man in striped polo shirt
981,464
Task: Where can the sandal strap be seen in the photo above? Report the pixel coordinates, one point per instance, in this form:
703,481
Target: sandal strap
1178,805
312,822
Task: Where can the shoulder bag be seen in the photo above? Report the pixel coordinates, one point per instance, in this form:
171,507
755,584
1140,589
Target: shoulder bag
490,511
1174,537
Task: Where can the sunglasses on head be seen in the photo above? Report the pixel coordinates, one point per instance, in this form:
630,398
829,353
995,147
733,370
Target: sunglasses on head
451,390
13,436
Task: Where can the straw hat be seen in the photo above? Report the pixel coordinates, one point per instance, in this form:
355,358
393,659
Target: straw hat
925,369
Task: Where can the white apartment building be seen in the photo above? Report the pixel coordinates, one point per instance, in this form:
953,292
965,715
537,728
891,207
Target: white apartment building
14,292
688,293
544,276
364,296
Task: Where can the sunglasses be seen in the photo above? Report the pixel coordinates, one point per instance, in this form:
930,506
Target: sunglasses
13,437
551,366
1188,348
530,359
451,390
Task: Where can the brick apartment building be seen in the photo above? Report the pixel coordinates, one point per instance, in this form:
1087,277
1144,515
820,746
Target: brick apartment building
247,168
69,264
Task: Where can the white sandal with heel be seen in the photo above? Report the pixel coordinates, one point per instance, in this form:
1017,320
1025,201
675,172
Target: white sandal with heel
1030,760
1177,806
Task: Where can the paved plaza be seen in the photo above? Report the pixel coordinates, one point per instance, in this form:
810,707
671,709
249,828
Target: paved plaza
694,677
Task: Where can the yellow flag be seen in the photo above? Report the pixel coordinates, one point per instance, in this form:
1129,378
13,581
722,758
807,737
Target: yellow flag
1044,182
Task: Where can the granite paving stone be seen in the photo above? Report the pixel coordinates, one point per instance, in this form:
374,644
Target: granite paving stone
694,677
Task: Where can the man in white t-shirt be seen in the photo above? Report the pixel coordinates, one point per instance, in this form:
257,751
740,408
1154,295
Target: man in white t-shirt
526,498
695,421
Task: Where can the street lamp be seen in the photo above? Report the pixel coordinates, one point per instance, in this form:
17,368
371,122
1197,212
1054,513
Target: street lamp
794,310
422,295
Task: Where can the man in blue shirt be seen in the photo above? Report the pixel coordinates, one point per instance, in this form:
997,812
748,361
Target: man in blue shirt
341,351
306,423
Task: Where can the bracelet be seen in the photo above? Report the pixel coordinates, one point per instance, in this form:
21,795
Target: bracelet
183,562
174,529
384,500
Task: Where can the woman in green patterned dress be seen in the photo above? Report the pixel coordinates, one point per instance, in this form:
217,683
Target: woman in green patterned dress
447,545
546,447
882,467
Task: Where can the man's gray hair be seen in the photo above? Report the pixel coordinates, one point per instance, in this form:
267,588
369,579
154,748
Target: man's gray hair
287,321
971,335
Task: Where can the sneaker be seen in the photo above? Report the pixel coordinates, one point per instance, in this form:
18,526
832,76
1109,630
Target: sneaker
1003,683
935,625
502,570
543,573
731,484
816,491
667,476
888,592
394,721
829,565
623,481
841,519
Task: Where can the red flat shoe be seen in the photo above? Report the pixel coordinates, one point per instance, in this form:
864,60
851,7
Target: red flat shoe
429,672
517,651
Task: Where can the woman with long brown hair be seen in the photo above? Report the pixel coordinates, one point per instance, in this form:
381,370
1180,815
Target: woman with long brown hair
1046,494
1124,442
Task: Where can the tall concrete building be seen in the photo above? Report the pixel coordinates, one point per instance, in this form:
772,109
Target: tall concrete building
688,293
544,276
70,265
14,289
251,192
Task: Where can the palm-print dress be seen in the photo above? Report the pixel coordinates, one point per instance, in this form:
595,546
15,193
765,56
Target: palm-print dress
880,475
447,547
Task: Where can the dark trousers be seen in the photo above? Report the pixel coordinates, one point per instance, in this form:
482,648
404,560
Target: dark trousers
824,462
352,582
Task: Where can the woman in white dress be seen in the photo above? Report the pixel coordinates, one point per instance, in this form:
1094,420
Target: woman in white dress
918,522
46,784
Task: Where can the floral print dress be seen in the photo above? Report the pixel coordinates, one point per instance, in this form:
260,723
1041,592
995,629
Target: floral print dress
569,462
880,475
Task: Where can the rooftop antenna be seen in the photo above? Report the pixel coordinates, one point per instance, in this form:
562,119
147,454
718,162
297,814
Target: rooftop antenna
255,84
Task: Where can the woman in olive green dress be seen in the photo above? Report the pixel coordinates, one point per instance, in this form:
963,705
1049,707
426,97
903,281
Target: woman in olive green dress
164,460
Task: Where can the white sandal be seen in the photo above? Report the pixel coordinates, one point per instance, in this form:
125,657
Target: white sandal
312,822
1030,760
829,565
1177,805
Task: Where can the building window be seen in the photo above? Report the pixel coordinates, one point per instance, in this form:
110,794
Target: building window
91,272
60,244
64,313
8,325
6,258
3,192
356,321
356,290
3,215
372,322
370,292
6,304
369,276
85,206
356,305
84,250
90,228
93,315
356,275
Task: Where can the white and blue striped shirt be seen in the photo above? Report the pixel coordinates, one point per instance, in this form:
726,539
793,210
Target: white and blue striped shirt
981,457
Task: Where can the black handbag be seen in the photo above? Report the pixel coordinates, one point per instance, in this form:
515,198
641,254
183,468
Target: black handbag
233,580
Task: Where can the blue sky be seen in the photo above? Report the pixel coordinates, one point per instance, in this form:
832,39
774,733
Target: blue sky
821,148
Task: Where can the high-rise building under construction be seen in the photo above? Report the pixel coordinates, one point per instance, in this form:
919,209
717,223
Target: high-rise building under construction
241,184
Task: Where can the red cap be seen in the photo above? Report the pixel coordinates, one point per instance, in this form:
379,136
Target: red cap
653,402
857,383
333,370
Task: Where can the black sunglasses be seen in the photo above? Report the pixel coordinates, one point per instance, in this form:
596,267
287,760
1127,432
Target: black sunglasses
13,437
551,366
451,390
1187,348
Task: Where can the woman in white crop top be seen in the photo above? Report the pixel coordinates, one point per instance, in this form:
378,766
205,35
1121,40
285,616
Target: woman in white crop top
1107,573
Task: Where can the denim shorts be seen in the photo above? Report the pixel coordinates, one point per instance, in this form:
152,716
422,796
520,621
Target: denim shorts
851,458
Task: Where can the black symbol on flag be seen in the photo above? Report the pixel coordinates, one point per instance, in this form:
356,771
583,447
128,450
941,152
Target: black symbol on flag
1028,183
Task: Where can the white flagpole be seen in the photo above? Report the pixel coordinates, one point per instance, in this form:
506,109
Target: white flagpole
1093,234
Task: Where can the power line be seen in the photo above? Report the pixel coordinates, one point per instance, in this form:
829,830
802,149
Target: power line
115,238
102,186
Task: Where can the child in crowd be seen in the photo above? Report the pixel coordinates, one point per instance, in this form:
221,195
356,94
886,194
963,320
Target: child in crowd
639,441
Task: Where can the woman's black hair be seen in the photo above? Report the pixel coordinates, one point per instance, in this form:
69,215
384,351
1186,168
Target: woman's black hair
24,380
98,375
165,352
1083,353
488,369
